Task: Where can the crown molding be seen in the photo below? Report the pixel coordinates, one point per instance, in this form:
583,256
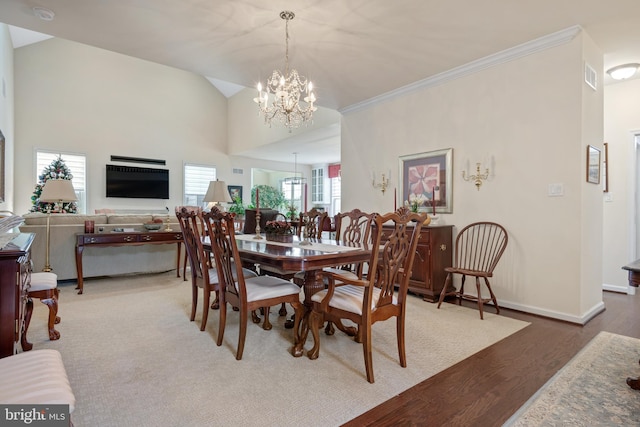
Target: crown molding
545,42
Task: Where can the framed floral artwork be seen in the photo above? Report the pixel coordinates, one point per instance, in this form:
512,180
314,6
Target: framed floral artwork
426,180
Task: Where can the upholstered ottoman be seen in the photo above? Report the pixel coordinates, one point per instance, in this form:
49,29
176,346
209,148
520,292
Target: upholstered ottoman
35,377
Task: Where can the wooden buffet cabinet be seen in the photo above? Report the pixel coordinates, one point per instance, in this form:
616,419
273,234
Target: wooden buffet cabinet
433,254
15,279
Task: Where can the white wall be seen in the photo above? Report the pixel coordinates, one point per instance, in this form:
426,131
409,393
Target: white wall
528,115
621,121
246,164
76,98
248,130
6,115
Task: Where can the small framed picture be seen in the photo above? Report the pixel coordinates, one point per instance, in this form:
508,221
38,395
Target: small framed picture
235,191
593,164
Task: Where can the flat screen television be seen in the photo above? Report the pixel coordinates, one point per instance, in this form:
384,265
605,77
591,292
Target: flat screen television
136,182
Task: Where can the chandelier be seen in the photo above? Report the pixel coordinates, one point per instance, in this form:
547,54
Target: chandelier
295,179
285,107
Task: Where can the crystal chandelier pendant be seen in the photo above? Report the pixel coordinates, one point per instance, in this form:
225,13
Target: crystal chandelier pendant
280,100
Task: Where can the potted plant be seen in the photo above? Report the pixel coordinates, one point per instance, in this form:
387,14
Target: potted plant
292,212
237,207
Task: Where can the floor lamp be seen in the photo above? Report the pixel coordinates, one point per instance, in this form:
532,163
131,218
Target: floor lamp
217,193
55,191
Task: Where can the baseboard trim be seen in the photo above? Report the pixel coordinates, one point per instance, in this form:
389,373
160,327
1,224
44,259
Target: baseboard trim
580,320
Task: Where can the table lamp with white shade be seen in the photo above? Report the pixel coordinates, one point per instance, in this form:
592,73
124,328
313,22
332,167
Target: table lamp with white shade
55,191
217,193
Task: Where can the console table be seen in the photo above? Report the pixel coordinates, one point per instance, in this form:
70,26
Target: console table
15,275
123,239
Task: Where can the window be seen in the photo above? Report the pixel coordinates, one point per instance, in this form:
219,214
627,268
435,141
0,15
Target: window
317,185
77,164
196,183
292,191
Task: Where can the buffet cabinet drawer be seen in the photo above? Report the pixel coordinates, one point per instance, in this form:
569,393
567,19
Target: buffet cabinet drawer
15,279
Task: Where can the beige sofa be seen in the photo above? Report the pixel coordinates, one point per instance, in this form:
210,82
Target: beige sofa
98,261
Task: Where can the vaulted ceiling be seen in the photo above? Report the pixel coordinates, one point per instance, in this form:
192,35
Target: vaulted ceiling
353,50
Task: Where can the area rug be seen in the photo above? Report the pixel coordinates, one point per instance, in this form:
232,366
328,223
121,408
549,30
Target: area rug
134,359
590,390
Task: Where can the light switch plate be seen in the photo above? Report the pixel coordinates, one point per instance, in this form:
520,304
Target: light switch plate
556,190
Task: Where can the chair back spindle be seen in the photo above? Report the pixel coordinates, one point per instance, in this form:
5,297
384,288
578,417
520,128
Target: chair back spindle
479,246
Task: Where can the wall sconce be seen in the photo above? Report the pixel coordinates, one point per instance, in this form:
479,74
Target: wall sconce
478,177
380,185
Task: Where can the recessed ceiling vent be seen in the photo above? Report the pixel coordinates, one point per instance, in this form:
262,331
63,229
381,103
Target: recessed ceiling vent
590,76
44,13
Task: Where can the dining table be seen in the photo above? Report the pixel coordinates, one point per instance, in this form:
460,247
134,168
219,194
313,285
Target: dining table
306,255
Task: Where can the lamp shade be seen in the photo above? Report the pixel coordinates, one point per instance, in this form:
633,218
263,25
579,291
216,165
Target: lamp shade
217,192
58,190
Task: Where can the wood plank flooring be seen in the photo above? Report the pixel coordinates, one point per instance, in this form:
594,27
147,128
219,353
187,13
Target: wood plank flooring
487,388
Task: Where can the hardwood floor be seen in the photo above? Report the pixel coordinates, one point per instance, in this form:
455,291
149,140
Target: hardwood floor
487,388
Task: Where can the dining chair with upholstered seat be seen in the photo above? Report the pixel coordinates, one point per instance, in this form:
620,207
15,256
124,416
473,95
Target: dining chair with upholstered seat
352,228
478,249
204,274
186,255
247,294
44,286
367,301
312,223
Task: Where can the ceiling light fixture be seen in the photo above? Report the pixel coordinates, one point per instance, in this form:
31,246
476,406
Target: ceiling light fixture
622,72
286,88
295,179
44,13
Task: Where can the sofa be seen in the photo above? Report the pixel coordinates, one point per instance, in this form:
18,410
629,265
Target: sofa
97,261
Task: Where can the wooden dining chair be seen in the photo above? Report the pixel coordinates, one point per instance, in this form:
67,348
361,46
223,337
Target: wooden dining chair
186,255
312,223
479,247
204,274
247,294
44,286
352,228
367,301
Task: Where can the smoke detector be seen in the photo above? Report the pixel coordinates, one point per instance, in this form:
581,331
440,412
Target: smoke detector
44,13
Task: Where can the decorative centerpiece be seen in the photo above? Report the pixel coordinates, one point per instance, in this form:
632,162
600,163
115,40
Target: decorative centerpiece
154,225
279,230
